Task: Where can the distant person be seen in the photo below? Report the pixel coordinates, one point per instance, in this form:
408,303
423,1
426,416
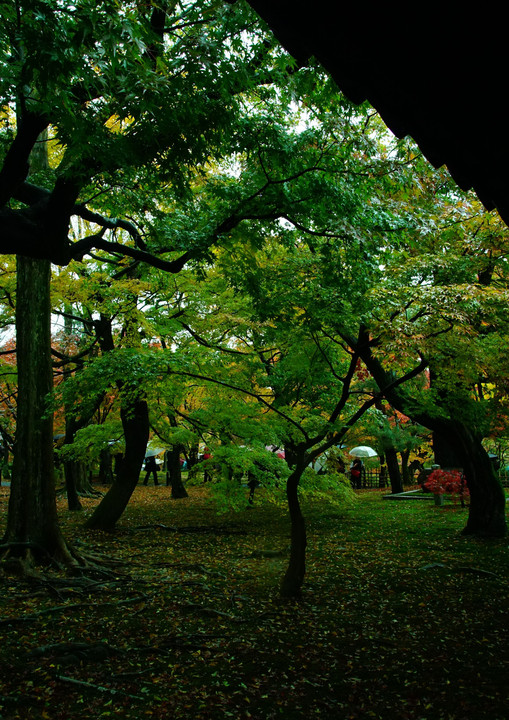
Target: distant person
356,474
151,469
207,455
253,483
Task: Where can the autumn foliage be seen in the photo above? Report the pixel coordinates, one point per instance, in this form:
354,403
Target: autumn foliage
447,482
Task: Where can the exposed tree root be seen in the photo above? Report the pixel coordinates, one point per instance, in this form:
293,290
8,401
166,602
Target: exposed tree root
65,608
192,566
75,652
29,560
24,557
89,493
98,688
213,529
212,612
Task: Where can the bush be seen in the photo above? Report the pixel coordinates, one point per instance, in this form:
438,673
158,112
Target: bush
450,482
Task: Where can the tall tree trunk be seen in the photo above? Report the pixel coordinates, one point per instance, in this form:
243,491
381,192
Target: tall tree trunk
77,476
105,467
487,510
293,579
71,469
391,457
446,455
173,466
174,473
32,522
70,466
77,482
405,470
135,422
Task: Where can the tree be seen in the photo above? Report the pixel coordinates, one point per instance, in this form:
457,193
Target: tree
132,100
32,528
443,314
277,382
33,532
420,308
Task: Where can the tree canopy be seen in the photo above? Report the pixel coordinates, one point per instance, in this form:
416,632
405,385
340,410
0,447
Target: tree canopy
246,258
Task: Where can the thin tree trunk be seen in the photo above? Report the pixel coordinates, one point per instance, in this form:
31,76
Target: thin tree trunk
77,482
135,423
70,469
292,582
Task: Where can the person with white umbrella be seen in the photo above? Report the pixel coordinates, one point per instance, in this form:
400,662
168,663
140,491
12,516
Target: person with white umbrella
357,471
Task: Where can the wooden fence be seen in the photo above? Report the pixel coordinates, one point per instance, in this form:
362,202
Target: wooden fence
372,479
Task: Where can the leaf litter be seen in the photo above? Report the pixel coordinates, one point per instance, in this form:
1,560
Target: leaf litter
401,617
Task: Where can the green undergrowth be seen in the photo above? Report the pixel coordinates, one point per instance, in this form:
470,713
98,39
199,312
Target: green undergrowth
401,617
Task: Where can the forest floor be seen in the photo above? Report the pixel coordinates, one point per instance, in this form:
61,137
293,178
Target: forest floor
401,617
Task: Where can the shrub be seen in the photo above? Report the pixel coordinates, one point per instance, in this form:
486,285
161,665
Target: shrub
450,482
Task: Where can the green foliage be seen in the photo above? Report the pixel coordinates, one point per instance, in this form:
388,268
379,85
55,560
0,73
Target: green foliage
91,440
298,223
331,488
233,467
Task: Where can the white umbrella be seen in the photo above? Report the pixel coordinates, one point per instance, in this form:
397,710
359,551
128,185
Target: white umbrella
153,452
363,451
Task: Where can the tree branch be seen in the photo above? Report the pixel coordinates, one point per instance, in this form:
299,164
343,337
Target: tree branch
230,386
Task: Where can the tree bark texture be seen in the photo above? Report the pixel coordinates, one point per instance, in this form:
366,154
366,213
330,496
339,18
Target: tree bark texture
445,454
71,471
71,467
32,518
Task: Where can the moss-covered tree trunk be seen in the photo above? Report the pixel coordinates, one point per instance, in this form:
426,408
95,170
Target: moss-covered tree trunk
32,523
